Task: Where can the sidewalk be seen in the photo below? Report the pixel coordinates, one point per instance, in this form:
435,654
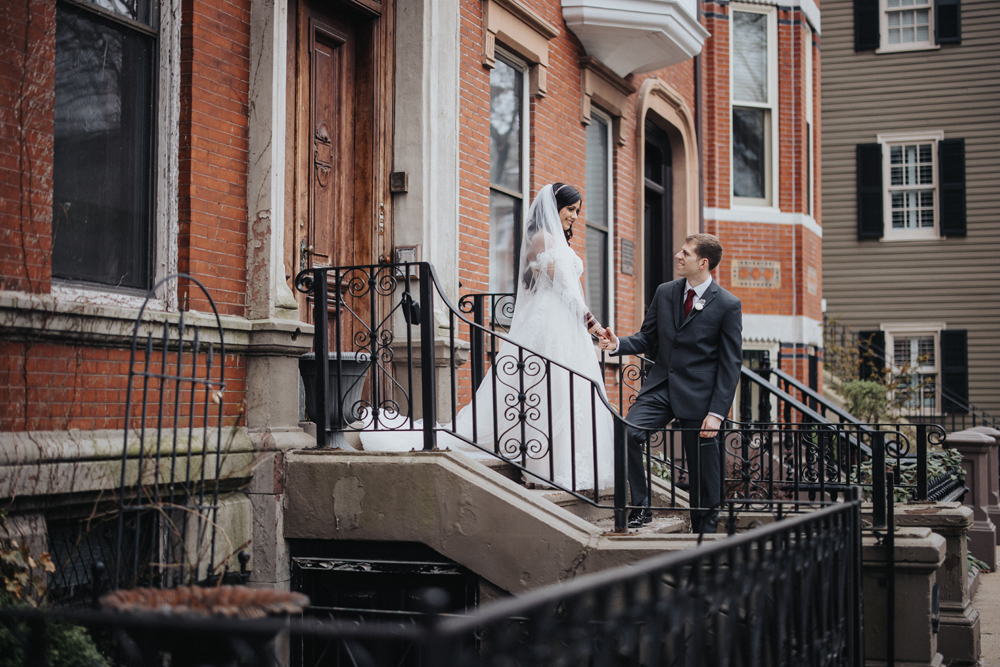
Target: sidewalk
987,602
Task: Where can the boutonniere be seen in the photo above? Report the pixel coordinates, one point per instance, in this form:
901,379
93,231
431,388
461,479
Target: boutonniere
699,304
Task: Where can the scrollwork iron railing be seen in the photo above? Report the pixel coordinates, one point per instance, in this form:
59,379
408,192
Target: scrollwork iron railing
411,337
787,593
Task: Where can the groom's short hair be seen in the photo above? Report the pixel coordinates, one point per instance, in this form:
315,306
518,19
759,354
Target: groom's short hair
708,247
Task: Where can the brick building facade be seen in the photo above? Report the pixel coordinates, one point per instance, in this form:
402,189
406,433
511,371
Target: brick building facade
214,139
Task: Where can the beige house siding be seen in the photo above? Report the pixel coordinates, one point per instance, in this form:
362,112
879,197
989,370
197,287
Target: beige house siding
955,90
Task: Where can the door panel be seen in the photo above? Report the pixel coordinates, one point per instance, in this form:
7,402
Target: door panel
332,105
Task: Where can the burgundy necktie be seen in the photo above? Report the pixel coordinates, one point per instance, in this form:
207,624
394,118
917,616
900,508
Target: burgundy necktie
688,303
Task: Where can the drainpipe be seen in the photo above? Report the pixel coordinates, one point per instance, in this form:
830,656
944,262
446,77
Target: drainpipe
697,131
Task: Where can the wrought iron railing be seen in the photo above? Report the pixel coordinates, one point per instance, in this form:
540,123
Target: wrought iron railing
376,318
158,528
786,593
925,400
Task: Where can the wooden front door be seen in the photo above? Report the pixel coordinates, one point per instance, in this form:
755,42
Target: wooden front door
340,115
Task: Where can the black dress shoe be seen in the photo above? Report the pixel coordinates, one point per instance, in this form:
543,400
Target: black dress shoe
638,517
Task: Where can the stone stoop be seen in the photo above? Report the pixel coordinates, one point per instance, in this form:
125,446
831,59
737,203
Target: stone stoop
514,537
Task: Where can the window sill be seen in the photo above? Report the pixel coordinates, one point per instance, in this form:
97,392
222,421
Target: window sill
907,49
750,204
930,235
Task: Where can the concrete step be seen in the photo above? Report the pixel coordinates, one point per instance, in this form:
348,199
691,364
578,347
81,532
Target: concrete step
515,538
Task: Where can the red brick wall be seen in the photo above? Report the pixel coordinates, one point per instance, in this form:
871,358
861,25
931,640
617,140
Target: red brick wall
215,75
52,386
27,102
794,246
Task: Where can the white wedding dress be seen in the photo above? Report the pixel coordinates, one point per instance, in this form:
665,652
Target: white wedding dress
566,436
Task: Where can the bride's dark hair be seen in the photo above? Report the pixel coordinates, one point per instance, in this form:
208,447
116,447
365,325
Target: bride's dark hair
566,195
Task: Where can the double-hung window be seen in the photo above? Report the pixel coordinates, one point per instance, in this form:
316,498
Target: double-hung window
918,355
887,26
911,186
906,24
754,97
104,173
508,169
597,215
911,204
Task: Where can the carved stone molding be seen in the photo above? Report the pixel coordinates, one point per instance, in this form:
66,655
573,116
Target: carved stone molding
524,32
608,90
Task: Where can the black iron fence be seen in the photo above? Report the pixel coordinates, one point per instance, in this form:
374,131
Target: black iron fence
788,593
158,527
393,348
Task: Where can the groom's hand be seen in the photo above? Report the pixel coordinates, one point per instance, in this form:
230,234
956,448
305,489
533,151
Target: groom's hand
608,340
710,426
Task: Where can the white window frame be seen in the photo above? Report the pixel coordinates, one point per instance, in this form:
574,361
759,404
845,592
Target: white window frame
910,330
883,23
771,106
609,222
898,139
520,64
165,188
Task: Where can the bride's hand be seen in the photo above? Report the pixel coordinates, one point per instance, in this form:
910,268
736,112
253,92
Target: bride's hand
608,339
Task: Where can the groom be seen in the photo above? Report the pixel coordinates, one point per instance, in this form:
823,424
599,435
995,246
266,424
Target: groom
694,332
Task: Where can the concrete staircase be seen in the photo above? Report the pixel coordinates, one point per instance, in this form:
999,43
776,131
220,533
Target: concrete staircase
474,511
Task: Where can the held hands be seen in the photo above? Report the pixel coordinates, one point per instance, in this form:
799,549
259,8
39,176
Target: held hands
607,339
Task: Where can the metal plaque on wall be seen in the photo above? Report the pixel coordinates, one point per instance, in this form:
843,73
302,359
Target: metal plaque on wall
628,257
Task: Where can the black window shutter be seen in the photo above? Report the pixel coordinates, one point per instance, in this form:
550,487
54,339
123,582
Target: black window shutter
871,351
954,370
951,176
869,165
948,21
866,28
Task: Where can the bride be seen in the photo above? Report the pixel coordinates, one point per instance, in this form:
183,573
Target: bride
566,436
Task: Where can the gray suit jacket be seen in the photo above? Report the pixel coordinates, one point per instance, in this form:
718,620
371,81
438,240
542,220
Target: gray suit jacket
698,358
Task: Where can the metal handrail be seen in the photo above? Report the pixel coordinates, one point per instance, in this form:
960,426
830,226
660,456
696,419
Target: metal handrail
845,417
797,451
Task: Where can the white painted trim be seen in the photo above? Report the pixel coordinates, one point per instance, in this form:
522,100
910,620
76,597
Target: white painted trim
167,215
908,330
900,137
771,106
883,30
165,223
783,329
610,221
763,215
807,7
889,234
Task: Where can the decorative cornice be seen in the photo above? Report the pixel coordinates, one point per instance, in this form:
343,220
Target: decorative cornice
523,31
600,69
529,17
34,317
611,92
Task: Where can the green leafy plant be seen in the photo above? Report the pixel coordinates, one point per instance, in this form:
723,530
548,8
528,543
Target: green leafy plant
844,356
866,400
24,587
939,462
